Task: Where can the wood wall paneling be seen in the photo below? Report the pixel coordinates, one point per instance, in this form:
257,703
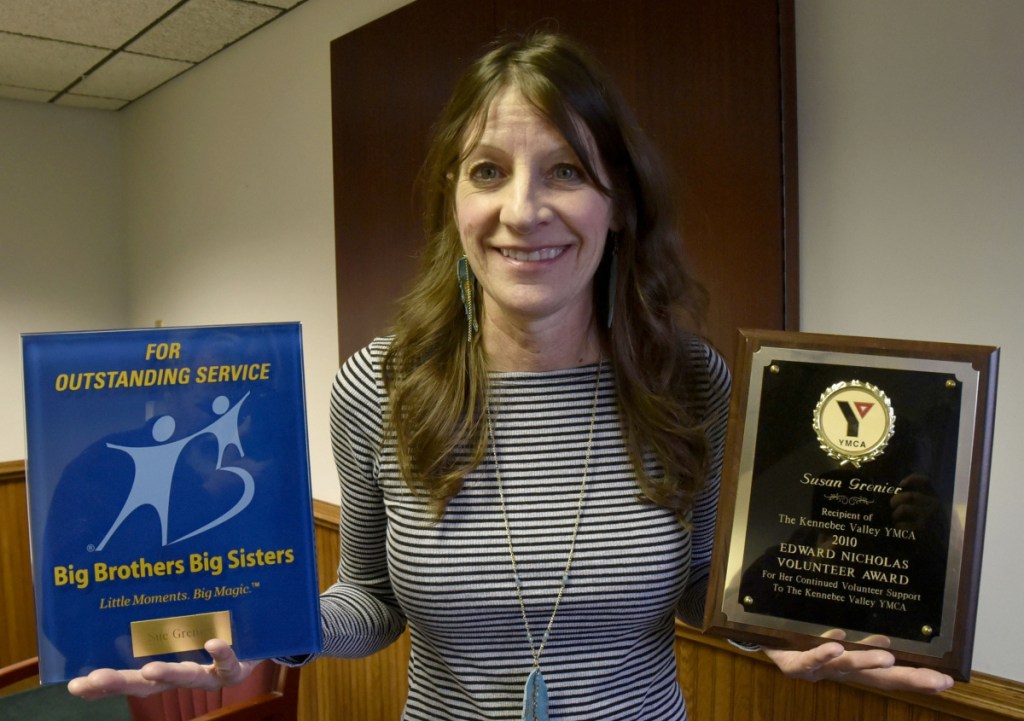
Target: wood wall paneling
387,89
370,688
18,622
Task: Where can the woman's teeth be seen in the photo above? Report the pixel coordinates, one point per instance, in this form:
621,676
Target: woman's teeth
533,255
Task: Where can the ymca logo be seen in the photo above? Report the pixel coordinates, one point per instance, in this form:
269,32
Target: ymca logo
854,422
155,466
853,419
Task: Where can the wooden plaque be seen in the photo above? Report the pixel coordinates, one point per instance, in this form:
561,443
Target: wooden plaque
854,495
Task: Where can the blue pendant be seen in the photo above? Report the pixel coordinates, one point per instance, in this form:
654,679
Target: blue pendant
535,697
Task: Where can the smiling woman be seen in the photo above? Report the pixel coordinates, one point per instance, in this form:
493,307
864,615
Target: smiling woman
534,227
537,153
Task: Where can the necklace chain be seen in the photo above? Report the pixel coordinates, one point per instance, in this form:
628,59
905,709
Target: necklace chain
535,650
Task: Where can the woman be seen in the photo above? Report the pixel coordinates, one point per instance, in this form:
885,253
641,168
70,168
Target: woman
530,465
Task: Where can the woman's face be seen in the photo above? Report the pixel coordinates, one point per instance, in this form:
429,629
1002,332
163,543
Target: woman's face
531,221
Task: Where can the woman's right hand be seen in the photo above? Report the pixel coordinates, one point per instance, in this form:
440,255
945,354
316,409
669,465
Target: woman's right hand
157,676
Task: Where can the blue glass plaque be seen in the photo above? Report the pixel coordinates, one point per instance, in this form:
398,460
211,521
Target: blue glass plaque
169,495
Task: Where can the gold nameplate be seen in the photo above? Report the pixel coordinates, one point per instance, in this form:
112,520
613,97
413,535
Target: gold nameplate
179,633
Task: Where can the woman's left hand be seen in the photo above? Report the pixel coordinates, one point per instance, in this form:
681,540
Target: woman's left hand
158,676
873,667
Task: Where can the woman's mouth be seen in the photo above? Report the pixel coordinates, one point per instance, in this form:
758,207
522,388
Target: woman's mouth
533,255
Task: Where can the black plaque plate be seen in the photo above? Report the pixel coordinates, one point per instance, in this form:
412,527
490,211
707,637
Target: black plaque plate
854,495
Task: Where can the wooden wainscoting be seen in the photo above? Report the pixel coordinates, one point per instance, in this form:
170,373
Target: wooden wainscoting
18,622
358,689
720,682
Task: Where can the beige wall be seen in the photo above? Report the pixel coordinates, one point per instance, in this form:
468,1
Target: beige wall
911,141
62,242
228,195
210,201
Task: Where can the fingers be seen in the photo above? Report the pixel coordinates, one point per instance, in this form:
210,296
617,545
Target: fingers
818,658
95,685
157,676
852,662
877,640
105,682
874,667
828,661
805,665
905,678
226,665
226,669
182,675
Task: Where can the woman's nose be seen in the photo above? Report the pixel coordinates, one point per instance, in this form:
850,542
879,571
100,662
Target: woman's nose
524,206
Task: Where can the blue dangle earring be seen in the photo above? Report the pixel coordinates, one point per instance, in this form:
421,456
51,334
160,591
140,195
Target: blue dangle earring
613,279
466,283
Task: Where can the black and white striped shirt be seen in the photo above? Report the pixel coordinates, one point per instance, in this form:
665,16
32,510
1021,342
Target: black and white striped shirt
610,652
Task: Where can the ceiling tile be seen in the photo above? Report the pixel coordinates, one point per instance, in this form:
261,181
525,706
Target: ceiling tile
15,93
50,46
128,76
89,101
43,64
202,27
102,23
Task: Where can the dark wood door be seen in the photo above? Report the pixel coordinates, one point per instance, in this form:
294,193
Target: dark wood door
712,83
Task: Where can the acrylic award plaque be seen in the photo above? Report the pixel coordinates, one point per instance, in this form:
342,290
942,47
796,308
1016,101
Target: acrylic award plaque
169,495
854,495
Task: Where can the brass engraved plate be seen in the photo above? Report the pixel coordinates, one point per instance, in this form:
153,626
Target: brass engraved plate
179,633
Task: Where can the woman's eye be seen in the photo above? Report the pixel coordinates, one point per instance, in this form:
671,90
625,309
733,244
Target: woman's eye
566,173
484,172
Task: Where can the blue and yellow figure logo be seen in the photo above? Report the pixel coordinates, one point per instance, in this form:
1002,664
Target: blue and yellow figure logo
155,465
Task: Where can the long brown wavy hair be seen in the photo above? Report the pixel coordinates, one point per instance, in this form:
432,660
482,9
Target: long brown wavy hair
436,378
